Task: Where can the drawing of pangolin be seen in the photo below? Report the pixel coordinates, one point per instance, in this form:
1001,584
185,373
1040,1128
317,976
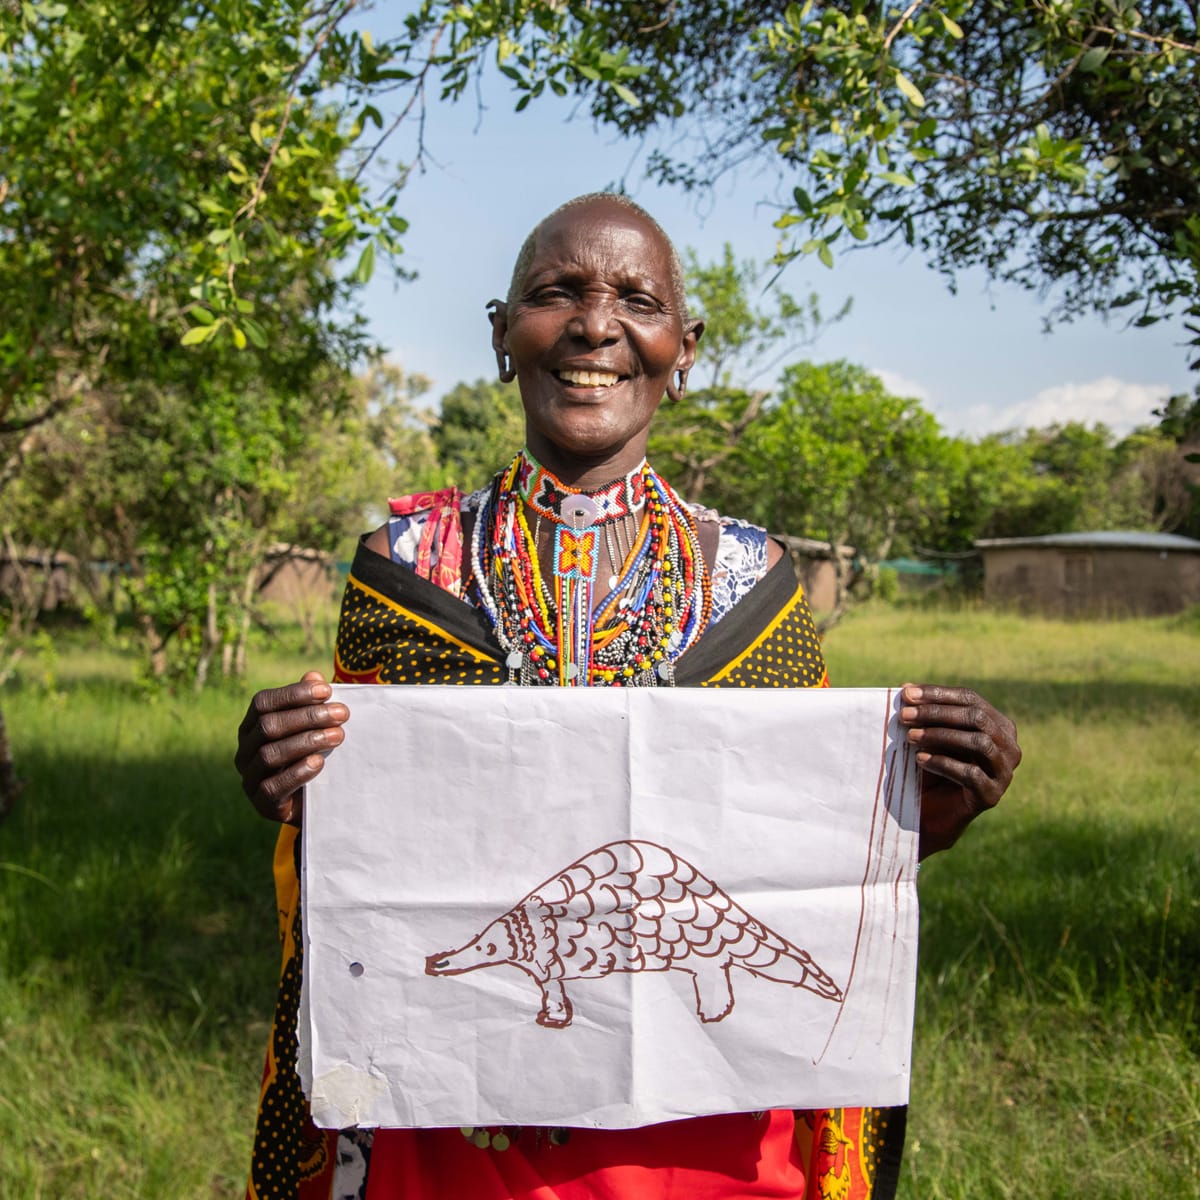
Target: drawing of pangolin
633,906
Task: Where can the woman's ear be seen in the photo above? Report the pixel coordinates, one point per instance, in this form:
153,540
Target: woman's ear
498,316
677,385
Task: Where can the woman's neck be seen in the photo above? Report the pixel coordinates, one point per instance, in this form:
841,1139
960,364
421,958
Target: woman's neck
586,474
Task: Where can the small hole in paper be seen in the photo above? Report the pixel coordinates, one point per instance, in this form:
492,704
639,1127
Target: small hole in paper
356,969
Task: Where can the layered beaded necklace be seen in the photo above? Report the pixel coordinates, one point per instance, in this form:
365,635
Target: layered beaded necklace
555,631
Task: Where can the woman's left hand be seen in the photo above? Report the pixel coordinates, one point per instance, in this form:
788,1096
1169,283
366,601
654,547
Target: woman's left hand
967,752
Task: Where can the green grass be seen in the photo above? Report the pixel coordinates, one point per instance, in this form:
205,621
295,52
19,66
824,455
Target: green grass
137,953
1057,1048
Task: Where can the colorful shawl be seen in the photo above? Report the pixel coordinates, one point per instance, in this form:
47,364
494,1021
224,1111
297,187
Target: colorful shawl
397,627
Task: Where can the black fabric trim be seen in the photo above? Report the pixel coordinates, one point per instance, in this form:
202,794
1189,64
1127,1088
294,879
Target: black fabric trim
404,586
716,649
887,1166
736,632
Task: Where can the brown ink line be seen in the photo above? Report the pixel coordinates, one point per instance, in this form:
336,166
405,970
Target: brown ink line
862,908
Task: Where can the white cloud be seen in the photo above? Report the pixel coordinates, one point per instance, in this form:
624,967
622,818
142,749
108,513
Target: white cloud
1117,403
899,385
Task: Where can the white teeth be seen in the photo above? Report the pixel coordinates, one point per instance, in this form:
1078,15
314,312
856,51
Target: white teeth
589,378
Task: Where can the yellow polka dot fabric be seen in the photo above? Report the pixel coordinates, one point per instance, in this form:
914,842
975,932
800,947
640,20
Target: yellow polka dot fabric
381,641
786,654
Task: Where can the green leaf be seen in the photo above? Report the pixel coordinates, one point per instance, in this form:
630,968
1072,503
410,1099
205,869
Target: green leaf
629,97
1093,59
366,264
203,315
198,334
825,255
897,178
953,28
254,331
911,92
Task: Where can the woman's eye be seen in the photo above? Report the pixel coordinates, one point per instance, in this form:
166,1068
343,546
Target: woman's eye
640,302
548,295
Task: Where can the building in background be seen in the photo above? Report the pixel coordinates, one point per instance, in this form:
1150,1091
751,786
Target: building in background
1093,574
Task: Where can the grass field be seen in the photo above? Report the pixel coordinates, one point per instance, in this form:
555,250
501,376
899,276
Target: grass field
1057,1045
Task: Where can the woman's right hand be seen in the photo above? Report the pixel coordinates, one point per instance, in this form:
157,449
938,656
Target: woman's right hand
281,742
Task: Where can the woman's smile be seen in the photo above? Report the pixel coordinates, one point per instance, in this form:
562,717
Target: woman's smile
587,379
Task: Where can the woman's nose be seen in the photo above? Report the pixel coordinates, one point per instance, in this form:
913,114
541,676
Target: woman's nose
593,321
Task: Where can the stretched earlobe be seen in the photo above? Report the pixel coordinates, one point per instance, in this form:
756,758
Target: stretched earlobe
498,316
677,389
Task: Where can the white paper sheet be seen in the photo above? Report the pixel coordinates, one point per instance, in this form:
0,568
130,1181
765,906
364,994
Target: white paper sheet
607,908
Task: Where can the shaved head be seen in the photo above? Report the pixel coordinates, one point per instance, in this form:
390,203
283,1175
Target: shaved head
525,255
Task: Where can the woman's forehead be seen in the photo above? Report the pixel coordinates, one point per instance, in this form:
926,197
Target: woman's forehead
604,239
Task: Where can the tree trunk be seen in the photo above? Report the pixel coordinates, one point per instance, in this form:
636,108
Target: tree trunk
156,645
249,589
208,645
10,785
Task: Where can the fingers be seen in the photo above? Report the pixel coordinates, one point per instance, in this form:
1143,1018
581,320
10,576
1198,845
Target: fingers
282,741
311,689
967,745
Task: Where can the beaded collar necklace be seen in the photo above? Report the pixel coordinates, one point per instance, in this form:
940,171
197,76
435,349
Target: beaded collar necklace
547,496
555,632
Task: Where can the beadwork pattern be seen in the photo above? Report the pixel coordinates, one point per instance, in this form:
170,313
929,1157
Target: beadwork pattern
660,598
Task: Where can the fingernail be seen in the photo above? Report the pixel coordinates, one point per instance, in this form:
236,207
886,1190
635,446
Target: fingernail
331,737
313,761
908,714
915,735
923,757
912,693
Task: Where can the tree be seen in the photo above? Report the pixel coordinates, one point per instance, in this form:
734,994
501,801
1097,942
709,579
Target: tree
1052,144
1060,479
751,327
837,458
480,427
129,220
135,222
378,443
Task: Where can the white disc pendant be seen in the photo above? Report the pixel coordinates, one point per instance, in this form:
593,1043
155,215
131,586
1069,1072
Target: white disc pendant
579,511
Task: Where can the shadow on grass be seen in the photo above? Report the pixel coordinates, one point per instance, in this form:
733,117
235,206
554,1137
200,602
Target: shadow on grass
1074,912
1031,699
147,883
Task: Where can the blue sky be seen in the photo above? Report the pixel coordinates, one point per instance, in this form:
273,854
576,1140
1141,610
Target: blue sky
978,359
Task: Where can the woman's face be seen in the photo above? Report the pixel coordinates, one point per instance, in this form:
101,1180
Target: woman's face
595,336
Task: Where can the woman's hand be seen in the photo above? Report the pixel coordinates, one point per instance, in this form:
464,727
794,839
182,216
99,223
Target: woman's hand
967,753
280,744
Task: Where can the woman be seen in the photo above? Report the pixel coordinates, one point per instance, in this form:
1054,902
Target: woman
579,565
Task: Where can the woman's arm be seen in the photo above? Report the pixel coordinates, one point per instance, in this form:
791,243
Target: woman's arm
967,753
281,744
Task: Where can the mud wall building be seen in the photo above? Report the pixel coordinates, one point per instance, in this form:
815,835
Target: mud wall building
1093,574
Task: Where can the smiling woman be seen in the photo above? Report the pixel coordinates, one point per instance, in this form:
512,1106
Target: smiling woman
580,566
595,332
